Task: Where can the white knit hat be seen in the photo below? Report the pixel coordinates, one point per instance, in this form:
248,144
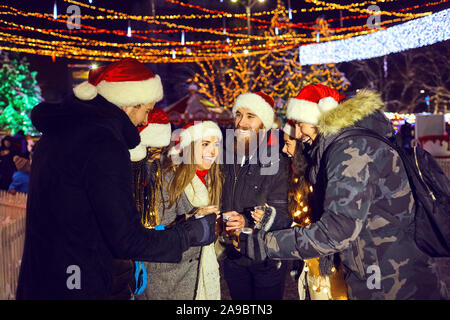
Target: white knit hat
289,128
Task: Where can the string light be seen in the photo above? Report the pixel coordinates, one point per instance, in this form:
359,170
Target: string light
129,30
146,50
413,34
55,11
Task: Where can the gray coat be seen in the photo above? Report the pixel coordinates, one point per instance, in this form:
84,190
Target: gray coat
173,281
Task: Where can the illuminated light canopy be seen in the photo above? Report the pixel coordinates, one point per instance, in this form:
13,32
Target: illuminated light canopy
413,34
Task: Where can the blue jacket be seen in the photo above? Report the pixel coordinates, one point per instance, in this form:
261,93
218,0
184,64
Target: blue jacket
20,181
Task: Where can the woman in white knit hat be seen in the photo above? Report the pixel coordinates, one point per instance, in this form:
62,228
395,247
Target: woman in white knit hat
192,185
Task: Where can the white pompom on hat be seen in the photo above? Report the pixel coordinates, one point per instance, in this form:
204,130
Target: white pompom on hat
259,103
125,83
156,133
311,102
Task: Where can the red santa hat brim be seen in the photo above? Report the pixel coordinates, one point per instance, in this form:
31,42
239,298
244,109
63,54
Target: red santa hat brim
156,135
289,130
257,105
307,111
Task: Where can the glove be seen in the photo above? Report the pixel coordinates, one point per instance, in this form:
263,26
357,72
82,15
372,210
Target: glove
201,232
253,245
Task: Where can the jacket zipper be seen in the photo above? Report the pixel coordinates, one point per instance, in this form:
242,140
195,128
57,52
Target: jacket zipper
235,180
421,177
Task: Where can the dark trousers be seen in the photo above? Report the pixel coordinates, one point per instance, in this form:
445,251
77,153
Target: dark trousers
262,281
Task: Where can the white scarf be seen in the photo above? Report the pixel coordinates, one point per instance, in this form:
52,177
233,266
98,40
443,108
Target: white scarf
208,283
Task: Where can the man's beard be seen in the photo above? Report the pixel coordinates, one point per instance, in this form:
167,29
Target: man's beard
245,141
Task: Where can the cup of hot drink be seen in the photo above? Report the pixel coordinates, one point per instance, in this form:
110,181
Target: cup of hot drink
246,230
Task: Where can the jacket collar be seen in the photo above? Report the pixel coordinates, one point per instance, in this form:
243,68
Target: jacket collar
348,113
72,112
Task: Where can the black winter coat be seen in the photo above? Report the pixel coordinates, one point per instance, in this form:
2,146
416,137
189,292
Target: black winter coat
254,184
80,211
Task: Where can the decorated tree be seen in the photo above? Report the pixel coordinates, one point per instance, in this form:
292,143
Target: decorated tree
280,70
410,81
19,93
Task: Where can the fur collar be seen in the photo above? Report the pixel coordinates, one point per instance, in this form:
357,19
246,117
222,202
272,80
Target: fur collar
197,193
364,103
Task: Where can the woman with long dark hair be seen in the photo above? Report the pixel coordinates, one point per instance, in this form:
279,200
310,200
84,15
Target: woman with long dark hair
319,278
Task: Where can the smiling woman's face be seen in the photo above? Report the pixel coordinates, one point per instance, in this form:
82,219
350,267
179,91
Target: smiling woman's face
305,132
289,145
206,152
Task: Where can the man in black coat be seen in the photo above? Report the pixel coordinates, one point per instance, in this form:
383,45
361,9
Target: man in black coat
255,175
80,211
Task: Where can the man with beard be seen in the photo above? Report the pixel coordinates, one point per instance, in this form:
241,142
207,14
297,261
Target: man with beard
255,175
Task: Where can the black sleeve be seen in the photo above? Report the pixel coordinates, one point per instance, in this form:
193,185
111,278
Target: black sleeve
108,184
278,197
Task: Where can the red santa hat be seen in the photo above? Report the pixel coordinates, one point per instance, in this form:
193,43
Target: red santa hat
312,101
289,128
125,83
195,131
259,103
156,133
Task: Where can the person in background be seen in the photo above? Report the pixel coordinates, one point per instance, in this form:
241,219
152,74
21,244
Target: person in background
21,177
7,165
21,143
406,134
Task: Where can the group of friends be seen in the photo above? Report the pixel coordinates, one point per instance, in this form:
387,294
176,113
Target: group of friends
121,207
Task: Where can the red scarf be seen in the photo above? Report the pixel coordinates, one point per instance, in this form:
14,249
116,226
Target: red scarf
201,174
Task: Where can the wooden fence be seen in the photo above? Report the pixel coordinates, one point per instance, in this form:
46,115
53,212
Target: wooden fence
12,236
445,165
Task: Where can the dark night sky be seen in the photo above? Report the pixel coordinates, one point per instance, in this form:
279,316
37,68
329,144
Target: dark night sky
55,79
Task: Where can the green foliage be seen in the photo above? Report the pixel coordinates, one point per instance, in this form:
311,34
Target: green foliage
19,93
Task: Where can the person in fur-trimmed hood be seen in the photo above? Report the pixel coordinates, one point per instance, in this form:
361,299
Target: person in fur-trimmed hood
362,182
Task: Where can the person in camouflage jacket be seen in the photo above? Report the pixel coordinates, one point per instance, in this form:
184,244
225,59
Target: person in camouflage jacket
363,182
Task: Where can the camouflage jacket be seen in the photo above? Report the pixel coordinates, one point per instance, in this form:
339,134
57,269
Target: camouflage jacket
363,180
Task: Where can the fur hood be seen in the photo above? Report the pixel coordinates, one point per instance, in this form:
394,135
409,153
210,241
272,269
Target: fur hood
351,111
